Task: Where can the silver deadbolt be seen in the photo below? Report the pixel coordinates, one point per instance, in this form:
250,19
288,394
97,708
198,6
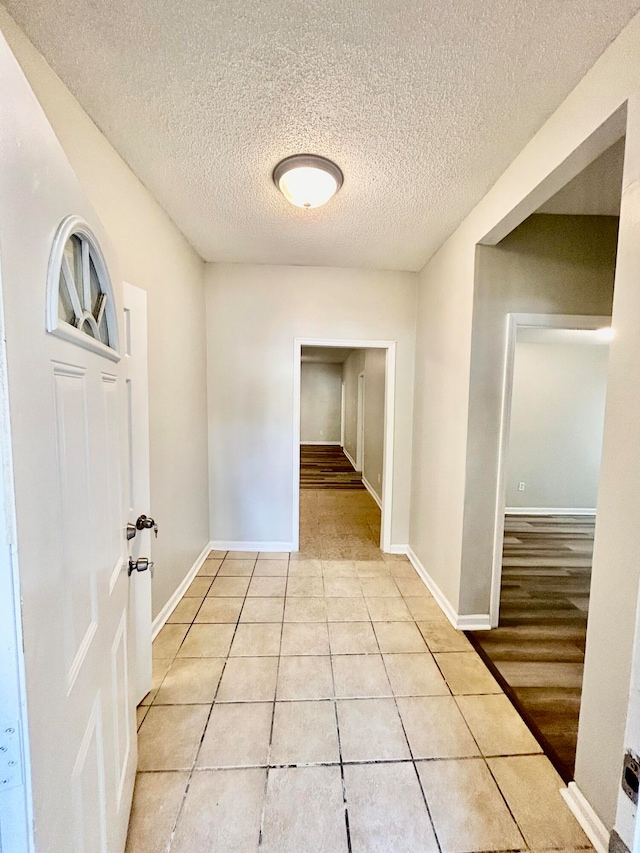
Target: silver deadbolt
140,565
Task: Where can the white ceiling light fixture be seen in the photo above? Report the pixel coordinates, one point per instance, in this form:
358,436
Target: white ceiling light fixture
307,180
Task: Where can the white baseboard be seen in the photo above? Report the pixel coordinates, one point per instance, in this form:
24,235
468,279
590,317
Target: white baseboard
229,545
549,510
432,586
398,549
350,458
472,622
583,812
371,491
173,602
328,443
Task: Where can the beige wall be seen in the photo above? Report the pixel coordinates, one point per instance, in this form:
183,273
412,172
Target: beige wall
549,265
374,392
557,419
155,256
320,402
254,314
442,441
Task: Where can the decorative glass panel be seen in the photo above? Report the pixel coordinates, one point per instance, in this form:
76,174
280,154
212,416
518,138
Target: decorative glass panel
65,308
103,329
83,296
94,282
73,258
80,304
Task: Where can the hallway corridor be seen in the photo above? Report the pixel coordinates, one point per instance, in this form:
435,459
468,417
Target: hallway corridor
319,702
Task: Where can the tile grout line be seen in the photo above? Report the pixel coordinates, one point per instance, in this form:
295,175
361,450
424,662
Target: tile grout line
199,747
347,763
404,732
504,798
340,756
481,753
273,716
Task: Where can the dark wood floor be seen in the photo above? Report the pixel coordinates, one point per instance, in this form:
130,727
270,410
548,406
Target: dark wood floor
325,466
537,652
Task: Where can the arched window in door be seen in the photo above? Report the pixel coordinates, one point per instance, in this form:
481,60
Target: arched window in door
80,302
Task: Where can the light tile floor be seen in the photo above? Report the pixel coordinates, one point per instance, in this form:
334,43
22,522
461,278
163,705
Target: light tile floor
305,704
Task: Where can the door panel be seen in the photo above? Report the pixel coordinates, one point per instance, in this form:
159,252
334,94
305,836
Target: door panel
113,554
80,606
88,789
121,706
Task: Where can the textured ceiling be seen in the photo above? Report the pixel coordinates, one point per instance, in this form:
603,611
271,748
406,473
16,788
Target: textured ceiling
422,104
596,191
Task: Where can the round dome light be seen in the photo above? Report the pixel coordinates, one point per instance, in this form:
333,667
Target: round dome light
307,180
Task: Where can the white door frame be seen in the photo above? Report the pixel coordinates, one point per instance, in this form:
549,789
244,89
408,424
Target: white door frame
135,352
627,822
343,403
16,800
389,419
515,322
360,424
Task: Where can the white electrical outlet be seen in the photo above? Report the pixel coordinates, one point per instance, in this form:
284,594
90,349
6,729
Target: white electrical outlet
521,486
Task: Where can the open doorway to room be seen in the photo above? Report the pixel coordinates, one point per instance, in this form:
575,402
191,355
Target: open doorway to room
344,455
562,261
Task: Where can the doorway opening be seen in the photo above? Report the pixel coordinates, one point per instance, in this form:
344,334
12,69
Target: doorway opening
343,447
551,400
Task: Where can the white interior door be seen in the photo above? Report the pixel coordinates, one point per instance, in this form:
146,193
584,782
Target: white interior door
138,494
88,707
66,382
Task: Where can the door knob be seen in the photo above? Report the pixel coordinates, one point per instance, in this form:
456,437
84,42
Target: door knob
140,565
146,523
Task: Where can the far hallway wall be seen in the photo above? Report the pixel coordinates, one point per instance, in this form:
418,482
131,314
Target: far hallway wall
254,315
